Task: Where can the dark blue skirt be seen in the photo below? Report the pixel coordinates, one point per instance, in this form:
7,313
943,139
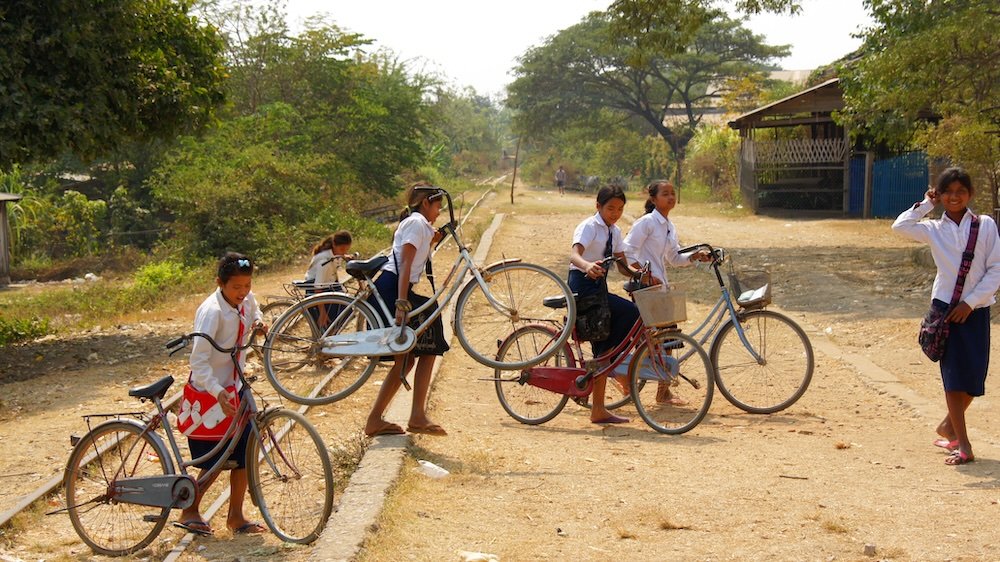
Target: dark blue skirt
966,357
200,447
623,311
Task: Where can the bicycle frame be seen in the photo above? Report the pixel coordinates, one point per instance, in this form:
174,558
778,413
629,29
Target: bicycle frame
722,309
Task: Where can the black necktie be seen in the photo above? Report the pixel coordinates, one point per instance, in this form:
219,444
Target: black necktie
607,247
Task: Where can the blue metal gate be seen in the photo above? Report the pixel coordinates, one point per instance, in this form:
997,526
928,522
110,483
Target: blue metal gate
898,183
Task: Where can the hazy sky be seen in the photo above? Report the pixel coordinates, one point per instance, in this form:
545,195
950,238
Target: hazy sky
475,43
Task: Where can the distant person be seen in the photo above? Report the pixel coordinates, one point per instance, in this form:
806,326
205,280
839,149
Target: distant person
228,315
561,180
653,238
967,350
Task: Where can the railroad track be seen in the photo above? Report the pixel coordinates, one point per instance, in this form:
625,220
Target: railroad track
55,483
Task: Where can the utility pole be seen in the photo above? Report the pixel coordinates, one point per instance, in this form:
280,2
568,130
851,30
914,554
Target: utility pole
514,175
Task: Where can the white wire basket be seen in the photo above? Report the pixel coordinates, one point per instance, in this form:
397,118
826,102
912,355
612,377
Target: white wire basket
751,287
661,305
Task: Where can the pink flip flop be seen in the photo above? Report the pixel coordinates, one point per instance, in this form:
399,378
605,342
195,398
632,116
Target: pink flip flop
945,444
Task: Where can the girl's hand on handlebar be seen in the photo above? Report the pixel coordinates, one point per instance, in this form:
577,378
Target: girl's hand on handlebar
703,256
595,271
259,326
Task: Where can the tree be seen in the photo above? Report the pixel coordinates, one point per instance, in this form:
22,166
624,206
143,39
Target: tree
669,26
926,58
583,69
87,78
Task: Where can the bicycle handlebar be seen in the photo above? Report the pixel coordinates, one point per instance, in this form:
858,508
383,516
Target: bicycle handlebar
718,254
345,257
182,341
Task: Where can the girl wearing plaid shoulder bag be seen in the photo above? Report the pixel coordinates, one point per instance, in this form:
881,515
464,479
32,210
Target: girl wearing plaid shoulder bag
966,357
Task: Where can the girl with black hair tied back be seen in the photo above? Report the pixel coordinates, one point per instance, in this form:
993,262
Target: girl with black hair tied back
411,249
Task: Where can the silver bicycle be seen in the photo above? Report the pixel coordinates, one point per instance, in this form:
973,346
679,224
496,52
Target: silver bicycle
496,300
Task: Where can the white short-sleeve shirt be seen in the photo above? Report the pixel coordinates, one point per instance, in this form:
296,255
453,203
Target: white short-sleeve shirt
212,371
417,231
322,268
653,238
593,234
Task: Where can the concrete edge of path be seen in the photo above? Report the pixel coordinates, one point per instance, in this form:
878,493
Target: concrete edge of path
362,501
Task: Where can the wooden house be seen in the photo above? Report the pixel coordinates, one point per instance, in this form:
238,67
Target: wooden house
794,156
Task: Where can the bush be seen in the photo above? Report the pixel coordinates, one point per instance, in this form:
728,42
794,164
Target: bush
13,330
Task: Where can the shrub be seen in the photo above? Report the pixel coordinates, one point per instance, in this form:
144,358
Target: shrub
13,330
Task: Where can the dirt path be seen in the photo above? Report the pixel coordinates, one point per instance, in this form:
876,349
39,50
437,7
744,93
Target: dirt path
849,465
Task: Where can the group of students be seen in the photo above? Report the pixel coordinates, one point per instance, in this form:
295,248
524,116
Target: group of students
232,310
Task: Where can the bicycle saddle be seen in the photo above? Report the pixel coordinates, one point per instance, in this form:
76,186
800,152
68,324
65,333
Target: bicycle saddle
359,269
157,389
556,302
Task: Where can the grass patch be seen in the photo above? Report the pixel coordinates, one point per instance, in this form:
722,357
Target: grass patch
13,330
835,527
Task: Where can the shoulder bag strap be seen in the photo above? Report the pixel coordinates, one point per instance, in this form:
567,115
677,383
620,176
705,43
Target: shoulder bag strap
967,255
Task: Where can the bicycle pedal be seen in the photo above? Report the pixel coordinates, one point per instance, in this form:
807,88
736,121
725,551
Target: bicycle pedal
152,518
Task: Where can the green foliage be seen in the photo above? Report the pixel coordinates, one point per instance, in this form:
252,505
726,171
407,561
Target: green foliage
244,186
153,277
971,144
669,26
13,330
585,69
87,79
713,162
924,57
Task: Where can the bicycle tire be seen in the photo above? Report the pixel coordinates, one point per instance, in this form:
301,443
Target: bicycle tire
110,527
290,476
293,361
787,369
525,403
693,380
520,287
274,309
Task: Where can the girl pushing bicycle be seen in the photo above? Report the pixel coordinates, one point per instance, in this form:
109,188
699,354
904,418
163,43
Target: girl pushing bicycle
594,239
653,239
411,250
228,315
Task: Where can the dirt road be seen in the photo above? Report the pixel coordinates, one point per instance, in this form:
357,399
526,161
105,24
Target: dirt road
849,466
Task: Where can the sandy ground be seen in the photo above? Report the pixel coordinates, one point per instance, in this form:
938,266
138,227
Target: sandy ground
849,466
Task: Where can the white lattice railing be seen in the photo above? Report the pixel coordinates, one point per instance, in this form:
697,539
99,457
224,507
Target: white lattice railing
795,151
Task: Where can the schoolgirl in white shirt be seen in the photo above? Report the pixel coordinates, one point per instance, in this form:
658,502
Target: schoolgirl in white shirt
228,316
323,267
411,248
594,239
967,350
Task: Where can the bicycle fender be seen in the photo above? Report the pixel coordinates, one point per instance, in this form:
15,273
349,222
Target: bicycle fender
171,469
499,263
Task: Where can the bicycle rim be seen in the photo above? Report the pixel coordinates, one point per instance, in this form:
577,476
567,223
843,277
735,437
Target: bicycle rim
520,289
672,382
290,475
523,402
293,360
784,375
108,526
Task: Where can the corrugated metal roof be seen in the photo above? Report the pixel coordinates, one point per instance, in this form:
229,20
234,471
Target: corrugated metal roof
806,100
10,197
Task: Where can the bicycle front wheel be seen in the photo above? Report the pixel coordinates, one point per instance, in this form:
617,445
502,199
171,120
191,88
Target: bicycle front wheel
108,453
672,382
525,403
290,476
518,290
783,372
293,360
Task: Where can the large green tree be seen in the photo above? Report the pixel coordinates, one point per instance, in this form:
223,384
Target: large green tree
585,68
89,76
930,58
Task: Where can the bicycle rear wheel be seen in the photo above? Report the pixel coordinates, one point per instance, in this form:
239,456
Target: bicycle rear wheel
519,289
112,451
525,403
782,375
293,360
290,476
674,362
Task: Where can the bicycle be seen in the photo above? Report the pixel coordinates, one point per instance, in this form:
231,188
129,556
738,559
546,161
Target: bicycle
538,393
498,298
121,480
763,360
